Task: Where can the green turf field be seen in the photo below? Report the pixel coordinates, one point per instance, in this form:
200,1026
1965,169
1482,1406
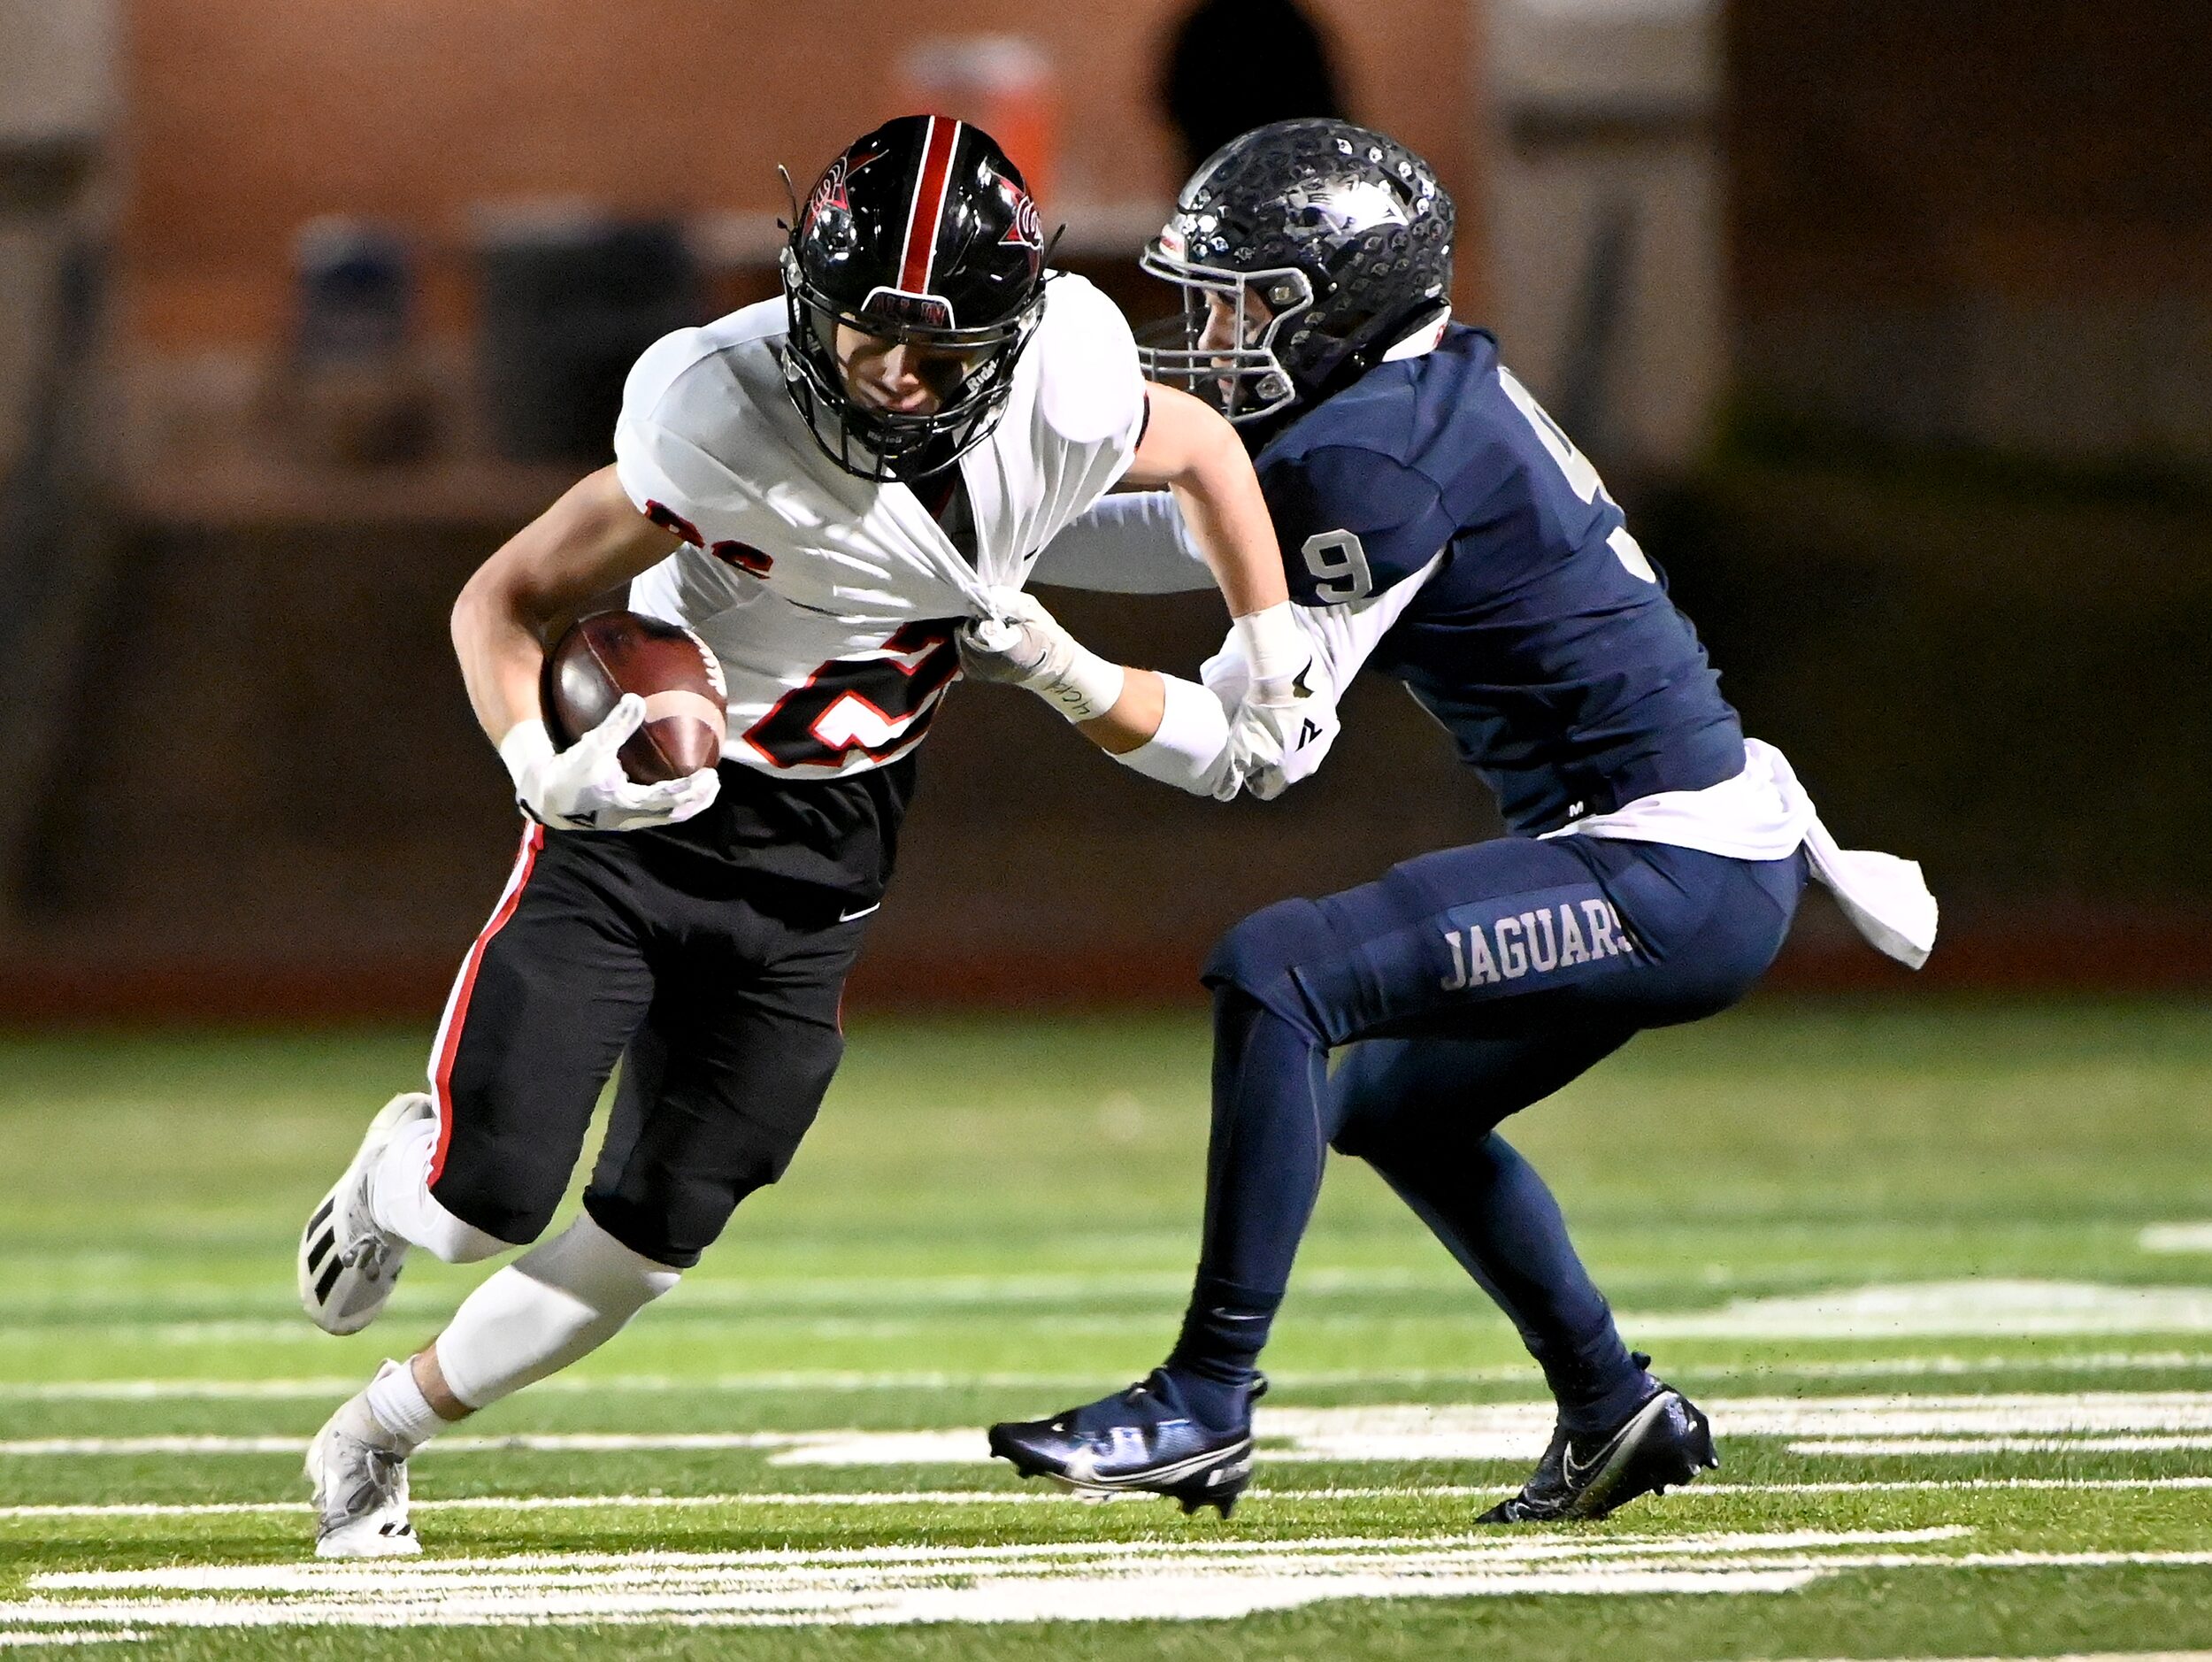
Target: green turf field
1930,1266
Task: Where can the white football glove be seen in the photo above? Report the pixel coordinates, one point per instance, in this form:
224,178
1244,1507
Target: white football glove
1273,742
1025,645
584,789
1017,647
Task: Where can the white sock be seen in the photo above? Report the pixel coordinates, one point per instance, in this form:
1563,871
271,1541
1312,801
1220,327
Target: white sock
398,1407
400,1201
561,1300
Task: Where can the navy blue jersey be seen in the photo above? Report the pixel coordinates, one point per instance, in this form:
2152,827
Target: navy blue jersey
1545,642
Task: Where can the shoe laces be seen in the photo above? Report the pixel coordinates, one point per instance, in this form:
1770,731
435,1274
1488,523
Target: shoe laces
375,1481
370,1255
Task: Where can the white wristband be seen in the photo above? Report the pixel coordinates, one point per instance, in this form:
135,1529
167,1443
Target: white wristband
1089,687
1275,647
527,747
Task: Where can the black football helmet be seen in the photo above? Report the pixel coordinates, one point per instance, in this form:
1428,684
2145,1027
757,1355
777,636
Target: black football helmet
1344,235
921,231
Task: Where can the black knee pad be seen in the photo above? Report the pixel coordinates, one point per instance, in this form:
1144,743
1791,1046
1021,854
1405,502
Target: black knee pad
672,1212
494,1184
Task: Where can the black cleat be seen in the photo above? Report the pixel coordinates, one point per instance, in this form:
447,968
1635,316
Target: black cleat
1141,1441
1667,1439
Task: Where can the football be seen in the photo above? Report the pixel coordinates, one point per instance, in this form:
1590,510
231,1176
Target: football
610,653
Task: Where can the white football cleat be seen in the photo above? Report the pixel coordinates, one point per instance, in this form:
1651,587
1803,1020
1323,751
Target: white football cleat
347,1265
360,1488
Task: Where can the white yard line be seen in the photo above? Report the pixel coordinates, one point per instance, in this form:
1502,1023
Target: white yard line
1877,1486
1034,1495
1516,1432
1989,1308
1094,1581
853,1379
2099,1656
1872,1447
2081,1421
540,1442
113,1635
313,1575
2175,1237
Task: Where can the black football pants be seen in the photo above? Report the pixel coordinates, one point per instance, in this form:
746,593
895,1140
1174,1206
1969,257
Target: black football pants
725,1013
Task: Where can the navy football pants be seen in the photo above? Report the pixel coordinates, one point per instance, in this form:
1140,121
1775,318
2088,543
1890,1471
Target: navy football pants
1461,987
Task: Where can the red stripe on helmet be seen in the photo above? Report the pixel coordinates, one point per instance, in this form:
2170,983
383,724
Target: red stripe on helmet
932,183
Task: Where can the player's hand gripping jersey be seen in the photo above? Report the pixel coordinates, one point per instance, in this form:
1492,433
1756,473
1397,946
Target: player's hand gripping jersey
830,601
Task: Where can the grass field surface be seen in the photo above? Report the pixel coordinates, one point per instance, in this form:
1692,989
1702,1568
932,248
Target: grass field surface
1941,1273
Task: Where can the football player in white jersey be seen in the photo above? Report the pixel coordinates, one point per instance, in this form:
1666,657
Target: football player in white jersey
844,478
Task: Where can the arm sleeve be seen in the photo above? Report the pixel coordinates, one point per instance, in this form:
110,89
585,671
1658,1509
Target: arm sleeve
1192,751
1353,523
1134,543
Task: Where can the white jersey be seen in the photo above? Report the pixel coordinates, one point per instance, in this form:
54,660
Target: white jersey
830,601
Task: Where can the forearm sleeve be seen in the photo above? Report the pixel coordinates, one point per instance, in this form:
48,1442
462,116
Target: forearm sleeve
1133,543
1191,749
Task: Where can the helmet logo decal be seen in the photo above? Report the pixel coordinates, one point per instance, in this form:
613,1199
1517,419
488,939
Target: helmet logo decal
1027,229
830,192
918,258
1341,207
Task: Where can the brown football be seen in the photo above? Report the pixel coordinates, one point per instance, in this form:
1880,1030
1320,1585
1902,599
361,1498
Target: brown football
611,653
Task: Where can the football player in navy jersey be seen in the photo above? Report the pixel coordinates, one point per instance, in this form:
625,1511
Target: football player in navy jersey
1438,528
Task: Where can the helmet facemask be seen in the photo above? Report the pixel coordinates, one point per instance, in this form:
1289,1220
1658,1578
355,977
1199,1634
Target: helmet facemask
884,445
1246,381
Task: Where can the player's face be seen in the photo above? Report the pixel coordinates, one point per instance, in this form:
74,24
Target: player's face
901,377
1227,329
1224,331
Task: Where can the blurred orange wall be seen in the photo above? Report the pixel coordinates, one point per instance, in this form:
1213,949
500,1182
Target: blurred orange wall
246,116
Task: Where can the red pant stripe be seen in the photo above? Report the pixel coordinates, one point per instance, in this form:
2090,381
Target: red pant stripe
448,1044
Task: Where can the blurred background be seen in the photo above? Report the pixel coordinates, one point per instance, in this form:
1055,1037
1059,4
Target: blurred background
1891,324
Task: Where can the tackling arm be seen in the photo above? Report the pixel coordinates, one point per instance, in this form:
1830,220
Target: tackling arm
1192,450
1211,739
1135,543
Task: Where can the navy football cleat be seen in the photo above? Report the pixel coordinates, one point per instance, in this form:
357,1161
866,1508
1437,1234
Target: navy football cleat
1141,1441
1667,1440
